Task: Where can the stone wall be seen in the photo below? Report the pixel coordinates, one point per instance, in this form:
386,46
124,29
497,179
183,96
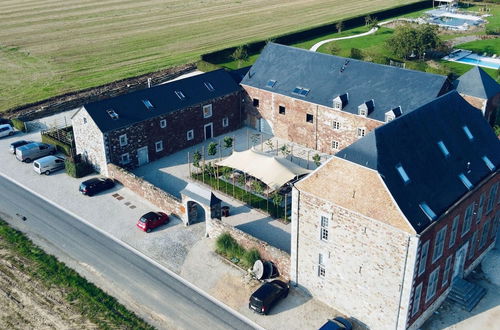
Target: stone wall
280,258
76,99
156,196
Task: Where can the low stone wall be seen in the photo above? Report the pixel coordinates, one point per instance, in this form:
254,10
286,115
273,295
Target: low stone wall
158,197
280,258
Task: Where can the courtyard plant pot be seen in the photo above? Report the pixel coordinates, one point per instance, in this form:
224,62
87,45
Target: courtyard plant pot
225,211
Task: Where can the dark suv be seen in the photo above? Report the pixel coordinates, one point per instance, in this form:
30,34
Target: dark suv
93,186
267,296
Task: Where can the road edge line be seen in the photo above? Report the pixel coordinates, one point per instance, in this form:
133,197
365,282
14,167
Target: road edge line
142,255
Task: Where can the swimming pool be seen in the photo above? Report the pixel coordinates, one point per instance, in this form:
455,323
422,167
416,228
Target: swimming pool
486,62
452,21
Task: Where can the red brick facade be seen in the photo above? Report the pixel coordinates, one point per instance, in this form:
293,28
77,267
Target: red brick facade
482,218
288,119
174,134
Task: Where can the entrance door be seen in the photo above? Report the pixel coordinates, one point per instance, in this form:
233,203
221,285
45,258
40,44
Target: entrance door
142,156
208,131
265,127
458,268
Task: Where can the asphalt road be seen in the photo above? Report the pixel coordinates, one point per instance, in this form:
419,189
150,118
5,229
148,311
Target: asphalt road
125,274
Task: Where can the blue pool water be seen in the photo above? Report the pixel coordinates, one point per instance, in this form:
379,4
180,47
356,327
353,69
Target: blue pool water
476,60
452,21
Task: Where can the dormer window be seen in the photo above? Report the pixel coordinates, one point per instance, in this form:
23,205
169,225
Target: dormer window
468,133
393,114
362,110
112,114
443,149
271,83
340,101
180,95
402,173
389,116
209,86
428,211
148,104
366,108
488,163
465,181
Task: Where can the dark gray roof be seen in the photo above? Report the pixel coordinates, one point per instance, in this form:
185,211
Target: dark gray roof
478,83
412,141
328,76
131,109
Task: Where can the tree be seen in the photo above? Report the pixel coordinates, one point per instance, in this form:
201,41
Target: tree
228,142
285,150
212,149
240,54
368,20
317,159
196,159
408,41
332,48
339,26
356,54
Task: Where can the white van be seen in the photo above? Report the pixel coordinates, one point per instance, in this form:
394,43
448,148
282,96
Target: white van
6,130
48,164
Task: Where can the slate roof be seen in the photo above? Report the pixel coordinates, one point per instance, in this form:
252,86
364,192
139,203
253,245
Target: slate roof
131,109
328,76
412,142
478,83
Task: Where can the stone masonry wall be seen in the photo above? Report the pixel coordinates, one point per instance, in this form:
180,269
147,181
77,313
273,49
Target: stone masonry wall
292,125
280,258
146,190
89,140
364,261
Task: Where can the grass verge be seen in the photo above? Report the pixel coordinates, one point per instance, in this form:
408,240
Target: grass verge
89,300
227,246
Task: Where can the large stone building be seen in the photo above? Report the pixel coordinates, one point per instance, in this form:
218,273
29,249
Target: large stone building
481,91
383,229
328,102
133,129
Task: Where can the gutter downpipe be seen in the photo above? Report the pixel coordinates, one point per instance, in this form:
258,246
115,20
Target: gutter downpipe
403,282
316,129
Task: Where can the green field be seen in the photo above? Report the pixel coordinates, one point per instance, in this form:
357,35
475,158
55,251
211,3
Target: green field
54,46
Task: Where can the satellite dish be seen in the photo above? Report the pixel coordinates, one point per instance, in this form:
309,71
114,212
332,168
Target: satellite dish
258,269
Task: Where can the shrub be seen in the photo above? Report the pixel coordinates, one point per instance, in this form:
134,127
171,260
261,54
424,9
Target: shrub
228,142
62,147
356,54
227,246
250,257
18,124
212,149
77,169
225,243
196,159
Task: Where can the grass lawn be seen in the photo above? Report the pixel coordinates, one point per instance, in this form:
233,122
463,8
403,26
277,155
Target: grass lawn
490,46
51,47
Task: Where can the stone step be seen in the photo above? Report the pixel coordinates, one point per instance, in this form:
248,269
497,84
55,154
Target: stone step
466,294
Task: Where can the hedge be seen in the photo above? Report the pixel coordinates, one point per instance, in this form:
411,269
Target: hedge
77,169
62,147
18,124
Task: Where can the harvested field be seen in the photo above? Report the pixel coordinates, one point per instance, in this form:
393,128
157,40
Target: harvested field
55,46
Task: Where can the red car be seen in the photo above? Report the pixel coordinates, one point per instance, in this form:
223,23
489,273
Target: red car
151,220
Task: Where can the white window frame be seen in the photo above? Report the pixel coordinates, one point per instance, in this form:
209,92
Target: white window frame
446,273
484,235
389,117
321,265
492,197
335,124
467,219
454,230
190,135
439,244
324,221
225,122
424,251
125,158
335,145
417,297
163,123
361,132
123,140
207,111
432,284
159,146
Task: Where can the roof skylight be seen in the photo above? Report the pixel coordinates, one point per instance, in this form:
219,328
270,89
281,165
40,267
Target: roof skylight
443,148
402,173
112,113
468,133
180,95
465,181
209,86
301,91
488,163
271,83
428,211
148,104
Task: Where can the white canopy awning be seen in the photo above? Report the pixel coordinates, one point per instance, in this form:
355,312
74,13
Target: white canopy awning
271,170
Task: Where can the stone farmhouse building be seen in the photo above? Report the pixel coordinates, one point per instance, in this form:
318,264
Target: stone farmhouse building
386,229
480,90
328,102
133,129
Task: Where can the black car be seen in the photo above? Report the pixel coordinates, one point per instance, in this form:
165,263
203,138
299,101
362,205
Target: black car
93,186
262,300
338,323
17,144
4,121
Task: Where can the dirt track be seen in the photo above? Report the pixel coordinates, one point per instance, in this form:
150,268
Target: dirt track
27,303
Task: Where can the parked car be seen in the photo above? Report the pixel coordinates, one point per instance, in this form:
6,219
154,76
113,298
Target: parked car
338,323
6,130
16,144
265,297
34,150
48,164
151,220
96,185
4,121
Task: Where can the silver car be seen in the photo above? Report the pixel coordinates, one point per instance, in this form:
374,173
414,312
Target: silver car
35,150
